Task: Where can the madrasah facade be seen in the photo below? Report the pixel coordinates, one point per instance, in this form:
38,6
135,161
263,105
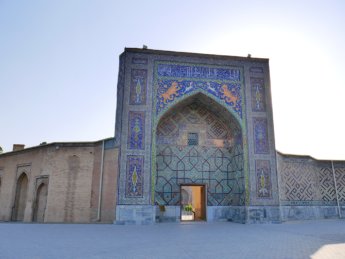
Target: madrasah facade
194,141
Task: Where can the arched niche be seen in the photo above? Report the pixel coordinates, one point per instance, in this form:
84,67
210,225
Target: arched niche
20,198
198,141
40,202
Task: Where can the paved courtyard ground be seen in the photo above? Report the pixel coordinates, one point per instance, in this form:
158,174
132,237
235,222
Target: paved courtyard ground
307,239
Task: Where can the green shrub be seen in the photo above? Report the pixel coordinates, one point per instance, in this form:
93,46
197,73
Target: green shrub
188,207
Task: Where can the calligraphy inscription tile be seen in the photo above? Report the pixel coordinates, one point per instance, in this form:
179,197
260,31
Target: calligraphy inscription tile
177,80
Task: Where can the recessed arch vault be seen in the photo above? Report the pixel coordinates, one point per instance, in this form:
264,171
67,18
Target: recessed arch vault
213,103
216,159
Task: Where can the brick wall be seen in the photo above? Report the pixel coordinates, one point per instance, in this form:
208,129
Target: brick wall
72,171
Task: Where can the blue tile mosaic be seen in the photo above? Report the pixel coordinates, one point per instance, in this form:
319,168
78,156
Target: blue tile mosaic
198,72
258,94
261,145
169,90
138,87
216,160
136,128
134,176
263,179
175,80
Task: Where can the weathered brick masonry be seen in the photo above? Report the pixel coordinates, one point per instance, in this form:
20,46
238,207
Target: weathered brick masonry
72,175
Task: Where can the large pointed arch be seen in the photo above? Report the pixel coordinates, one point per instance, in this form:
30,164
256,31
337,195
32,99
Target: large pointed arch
217,161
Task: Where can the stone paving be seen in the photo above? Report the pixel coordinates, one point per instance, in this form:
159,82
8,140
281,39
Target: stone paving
307,239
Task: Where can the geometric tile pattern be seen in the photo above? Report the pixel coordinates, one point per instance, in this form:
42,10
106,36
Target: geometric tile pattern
308,183
177,80
134,176
217,130
136,128
171,128
138,86
326,182
263,179
299,182
261,145
213,161
258,94
340,178
216,167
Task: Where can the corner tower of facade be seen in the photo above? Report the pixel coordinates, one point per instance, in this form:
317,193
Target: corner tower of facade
186,120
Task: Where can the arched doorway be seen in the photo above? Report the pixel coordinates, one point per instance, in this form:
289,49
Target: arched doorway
20,199
41,203
198,142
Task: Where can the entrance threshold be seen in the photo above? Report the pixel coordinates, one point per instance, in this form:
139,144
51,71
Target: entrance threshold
193,203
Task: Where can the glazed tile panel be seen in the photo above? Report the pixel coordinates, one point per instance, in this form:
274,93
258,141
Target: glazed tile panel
258,95
261,145
221,171
136,128
263,179
211,162
198,71
134,176
138,86
304,182
340,178
176,80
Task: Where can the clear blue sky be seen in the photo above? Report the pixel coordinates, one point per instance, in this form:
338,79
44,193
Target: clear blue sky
59,63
